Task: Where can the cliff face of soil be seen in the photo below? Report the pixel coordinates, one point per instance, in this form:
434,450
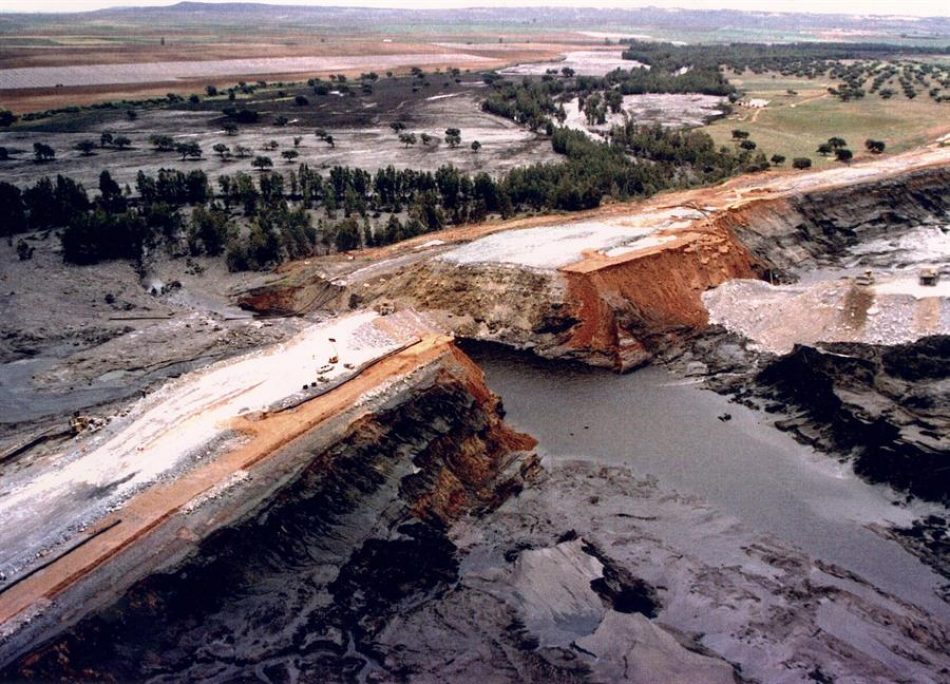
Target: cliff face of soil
376,484
523,308
886,405
305,292
803,229
628,309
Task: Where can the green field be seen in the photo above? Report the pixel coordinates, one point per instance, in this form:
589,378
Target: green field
794,125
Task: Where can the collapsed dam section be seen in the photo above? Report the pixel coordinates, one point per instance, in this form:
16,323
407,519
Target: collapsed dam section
215,447
613,286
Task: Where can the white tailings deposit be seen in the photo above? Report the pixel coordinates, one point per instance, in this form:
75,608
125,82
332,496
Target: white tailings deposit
152,72
552,247
670,110
168,430
894,310
583,62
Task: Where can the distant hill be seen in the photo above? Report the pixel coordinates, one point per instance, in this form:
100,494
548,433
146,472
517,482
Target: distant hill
671,24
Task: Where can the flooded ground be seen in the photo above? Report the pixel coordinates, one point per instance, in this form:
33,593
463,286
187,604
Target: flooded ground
504,144
658,425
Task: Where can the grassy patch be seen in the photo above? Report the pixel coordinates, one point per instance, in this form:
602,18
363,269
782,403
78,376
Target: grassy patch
794,125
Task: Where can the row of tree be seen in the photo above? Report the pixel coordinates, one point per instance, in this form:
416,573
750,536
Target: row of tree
257,221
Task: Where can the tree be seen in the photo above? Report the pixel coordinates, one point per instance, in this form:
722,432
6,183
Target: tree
208,230
453,137
747,145
837,143
476,146
242,152
131,114
874,146
297,140
407,139
824,149
86,147
261,163
777,159
23,250
426,139
290,155
301,101
222,150
801,163
121,142
329,141
188,149
162,143
43,152
567,72
230,128
106,140
12,209
397,126
843,154
739,134
111,198
7,118
347,235
211,90
281,120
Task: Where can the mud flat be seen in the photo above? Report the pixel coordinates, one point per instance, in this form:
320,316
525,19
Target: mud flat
614,286
209,449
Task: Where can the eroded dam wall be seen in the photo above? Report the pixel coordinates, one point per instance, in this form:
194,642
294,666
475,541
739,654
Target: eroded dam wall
413,438
799,229
617,307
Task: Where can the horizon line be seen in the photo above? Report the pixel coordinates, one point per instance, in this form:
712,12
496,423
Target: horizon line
381,5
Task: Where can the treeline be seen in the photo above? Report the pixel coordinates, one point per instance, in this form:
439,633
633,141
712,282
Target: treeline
257,221
855,64
800,59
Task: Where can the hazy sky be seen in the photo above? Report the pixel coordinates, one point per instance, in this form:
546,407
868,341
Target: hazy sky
906,7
